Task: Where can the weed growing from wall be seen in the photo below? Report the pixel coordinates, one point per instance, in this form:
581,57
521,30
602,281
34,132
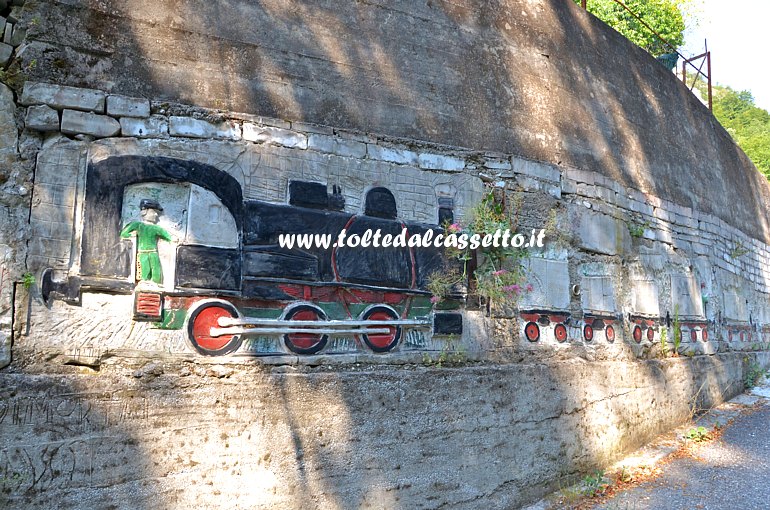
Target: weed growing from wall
496,274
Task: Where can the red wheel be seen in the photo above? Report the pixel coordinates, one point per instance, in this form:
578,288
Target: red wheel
609,334
206,316
704,335
650,335
381,342
693,335
741,336
532,331
560,331
305,343
637,334
588,333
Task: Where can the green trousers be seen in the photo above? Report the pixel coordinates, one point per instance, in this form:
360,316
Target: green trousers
149,266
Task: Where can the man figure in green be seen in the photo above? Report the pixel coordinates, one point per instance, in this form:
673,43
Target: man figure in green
147,235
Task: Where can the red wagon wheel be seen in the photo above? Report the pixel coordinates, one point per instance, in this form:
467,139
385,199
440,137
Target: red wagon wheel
532,331
588,333
609,334
560,332
305,343
205,316
381,342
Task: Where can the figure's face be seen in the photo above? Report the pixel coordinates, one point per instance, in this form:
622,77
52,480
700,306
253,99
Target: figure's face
150,215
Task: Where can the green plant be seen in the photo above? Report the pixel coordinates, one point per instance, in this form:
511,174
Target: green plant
637,229
594,484
738,250
677,330
440,283
499,273
625,476
447,356
754,373
28,280
666,17
663,340
698,434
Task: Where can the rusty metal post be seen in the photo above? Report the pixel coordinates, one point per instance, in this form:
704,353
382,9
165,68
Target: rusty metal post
684,71
708,72
583,4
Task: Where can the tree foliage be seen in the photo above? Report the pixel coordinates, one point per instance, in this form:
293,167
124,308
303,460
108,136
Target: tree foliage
664,16
748,124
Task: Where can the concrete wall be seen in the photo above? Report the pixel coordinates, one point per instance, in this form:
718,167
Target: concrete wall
540,79
235,436
653,215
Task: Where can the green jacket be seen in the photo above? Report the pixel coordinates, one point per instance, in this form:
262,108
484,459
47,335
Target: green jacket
147,235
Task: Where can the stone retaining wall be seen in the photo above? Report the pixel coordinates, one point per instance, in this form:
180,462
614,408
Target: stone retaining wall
655,221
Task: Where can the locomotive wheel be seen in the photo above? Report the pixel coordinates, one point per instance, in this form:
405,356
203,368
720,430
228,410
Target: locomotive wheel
199,323
305,343
650,334
560,332
532,331
382,342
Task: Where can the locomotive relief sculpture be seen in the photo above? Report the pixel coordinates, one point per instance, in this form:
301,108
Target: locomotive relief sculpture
201,259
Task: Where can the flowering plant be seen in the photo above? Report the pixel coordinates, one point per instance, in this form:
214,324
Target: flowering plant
496,272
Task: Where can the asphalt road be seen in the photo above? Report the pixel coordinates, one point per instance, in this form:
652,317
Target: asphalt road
732,473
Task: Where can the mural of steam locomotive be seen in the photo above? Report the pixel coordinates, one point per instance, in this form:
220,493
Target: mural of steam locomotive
230,280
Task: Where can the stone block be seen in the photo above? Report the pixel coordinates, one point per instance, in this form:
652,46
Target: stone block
124,106
586,190
99,126
438,162
5,349
60,97
153,127
645,297
310,128
550,282
498,164
685,294
568,186
597,294
735,306
584,176
8,33
6,50
8,130
332,145
536,169
195,128
601,233
391,155
19,34
42,118
273,135
2,19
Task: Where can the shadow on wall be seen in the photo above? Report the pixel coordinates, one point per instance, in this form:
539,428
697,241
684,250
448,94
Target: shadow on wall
543,80
63,441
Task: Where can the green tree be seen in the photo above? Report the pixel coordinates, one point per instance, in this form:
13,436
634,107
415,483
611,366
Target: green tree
748,124
664,16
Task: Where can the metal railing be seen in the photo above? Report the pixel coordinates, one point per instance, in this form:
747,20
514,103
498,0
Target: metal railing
704,58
